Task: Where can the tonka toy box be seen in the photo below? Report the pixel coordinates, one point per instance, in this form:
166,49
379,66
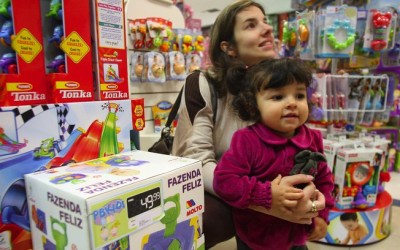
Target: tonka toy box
357,177
110,61
49,136
22,71
113,201
68,51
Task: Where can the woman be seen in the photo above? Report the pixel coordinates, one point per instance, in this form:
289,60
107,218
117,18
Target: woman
240,34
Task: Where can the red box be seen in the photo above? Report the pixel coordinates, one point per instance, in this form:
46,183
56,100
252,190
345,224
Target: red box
76,83
26,86
110,51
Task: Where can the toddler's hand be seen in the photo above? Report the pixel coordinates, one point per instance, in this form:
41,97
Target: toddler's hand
285,198
284,195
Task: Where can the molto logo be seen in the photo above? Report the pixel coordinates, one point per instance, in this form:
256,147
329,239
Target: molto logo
192,207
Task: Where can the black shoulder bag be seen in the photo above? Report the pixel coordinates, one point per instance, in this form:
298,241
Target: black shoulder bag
164,144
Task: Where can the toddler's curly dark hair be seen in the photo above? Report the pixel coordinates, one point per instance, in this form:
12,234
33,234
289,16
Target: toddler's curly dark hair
245,82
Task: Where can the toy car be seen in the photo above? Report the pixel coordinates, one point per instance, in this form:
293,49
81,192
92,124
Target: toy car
8,63
48,148
58,64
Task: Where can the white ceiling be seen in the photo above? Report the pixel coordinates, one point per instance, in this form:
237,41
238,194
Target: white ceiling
200,8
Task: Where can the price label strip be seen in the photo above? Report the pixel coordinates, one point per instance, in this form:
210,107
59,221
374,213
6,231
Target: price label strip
145,207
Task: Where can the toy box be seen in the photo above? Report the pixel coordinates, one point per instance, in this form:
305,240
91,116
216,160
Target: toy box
68,49
331,147
48,136
22,72
99,203
357,177
110,61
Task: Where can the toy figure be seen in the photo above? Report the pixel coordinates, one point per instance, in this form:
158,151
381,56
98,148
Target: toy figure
187,44
5,8
6,33
138,66
58,64
8,63
55,9
306,162
198,44
58,35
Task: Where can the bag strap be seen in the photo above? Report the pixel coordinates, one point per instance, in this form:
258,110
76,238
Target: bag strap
177,103
174,110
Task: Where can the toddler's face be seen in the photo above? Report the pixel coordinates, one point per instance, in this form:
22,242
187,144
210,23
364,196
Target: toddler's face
284,109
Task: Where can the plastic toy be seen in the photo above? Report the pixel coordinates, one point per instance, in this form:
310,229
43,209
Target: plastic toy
187,44
381,22
58,64
5,8
58,35
140,34
199,44
55,9
331,37
304,32
8,63
6,33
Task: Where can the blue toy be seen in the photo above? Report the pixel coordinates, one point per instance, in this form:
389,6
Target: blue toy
8,63
6,32
58,64
58,35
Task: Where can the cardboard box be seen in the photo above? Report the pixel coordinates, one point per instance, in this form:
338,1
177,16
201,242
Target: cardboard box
49,136
23,80
357,177
69,64
331,147
93,204
110,60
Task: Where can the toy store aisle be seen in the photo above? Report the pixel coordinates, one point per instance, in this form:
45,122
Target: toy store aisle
391,242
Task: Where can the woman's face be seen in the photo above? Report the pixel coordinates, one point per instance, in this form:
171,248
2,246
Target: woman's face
253,36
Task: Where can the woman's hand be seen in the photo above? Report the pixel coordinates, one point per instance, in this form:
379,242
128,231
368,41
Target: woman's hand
290,203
